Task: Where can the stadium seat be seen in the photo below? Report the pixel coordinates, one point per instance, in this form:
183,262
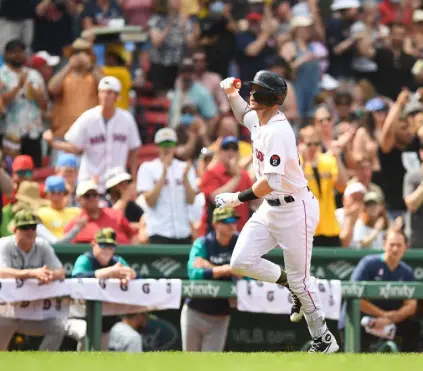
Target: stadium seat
154,104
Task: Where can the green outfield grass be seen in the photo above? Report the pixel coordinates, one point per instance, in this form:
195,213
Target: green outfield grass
176,361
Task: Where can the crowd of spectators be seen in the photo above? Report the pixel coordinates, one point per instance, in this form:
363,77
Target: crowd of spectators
353,68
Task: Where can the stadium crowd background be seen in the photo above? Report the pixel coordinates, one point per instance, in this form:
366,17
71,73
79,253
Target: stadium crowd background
353,70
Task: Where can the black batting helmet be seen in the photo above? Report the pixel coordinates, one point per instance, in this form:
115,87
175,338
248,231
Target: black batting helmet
274,88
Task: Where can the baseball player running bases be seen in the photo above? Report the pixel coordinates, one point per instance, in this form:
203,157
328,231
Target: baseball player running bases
289,213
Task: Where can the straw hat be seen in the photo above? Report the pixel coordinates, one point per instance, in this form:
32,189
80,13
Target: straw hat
28,197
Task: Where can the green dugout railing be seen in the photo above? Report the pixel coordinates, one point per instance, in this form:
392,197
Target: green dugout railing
351,291
169,261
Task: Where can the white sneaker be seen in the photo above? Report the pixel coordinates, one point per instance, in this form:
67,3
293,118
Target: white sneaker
324,344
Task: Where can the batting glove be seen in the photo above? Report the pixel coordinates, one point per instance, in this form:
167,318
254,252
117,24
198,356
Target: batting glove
228,85
223,200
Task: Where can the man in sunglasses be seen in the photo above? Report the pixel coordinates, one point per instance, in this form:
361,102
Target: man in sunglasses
205,322
169,188
23,256
98,217
102,263
289,213
224,175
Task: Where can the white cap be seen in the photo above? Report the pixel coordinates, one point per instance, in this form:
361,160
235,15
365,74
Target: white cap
110,83
354,188
165,134
85,186
329,83
116,176
51,60
345,4
300,21
418,15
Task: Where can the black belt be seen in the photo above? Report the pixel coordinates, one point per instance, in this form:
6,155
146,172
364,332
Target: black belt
287,199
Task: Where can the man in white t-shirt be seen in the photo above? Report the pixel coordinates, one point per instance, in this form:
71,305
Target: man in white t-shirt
105,136
169,187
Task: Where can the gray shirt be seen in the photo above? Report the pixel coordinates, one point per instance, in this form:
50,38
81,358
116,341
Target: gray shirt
123,338
41,254
412,180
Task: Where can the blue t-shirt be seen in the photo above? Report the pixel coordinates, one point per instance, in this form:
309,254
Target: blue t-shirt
374,268
100,17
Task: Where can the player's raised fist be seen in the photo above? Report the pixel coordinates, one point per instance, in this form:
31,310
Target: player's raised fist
230,85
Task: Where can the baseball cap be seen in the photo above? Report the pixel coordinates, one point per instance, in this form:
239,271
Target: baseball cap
43,58
329,83
375,104
106,236
115,176
372,197
24,218
229,140
85,186
55,183
345,4
300,21
354,188
110,83
418,16
67,160
22,162
413,106
227,215
165,135
254,17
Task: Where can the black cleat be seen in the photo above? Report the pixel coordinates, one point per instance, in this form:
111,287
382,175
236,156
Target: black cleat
324,344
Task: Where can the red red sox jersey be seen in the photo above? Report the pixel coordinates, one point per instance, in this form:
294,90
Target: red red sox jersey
275,152
105,145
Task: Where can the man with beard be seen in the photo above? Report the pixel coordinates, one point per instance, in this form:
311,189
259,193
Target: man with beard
24,94
394,65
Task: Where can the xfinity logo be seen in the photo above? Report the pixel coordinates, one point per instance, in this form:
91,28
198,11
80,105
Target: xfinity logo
353,289
197,289
388,291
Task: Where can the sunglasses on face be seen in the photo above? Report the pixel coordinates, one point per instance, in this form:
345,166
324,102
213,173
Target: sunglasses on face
311,144
229,147
31,227
229,221
58,193
90,195
167,144
24,173
107,245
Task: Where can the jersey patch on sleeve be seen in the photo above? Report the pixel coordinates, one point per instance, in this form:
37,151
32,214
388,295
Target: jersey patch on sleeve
275,160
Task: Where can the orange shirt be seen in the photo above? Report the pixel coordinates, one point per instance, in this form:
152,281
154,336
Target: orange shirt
79,94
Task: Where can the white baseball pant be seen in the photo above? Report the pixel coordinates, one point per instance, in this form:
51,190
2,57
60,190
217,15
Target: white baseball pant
290,226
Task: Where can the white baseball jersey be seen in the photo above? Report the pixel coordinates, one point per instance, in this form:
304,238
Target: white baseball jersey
170,216
105,144
275,152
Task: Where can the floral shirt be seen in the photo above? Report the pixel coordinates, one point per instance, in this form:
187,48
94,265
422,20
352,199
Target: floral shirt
23,115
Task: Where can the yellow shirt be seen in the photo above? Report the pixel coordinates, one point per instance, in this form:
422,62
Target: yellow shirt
328,170
123,75
56,220
189,7
245,149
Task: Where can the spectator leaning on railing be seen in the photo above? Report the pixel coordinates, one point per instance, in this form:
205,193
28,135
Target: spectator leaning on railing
388,267
24,256
102,263
205,322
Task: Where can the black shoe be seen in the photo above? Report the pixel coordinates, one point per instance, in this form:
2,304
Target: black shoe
297,312
324,344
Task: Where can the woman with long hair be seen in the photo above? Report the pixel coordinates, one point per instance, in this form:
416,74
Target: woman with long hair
369,229
366,140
